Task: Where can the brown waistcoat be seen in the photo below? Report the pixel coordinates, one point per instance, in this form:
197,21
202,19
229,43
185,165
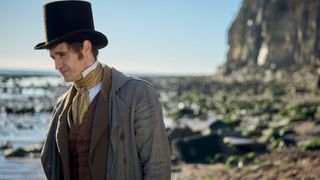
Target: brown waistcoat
79,144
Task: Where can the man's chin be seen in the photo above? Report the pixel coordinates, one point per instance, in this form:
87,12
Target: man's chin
66,79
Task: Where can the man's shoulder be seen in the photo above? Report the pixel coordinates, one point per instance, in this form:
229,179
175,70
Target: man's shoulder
138,90
127,81
138,84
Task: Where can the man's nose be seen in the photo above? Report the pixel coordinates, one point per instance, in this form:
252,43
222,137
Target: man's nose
58,64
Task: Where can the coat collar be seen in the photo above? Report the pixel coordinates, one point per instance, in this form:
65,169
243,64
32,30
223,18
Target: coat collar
118,80
106,81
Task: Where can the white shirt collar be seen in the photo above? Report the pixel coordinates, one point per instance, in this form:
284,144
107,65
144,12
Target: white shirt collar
90,68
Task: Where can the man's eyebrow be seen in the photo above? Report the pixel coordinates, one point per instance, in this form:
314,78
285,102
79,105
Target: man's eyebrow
58,53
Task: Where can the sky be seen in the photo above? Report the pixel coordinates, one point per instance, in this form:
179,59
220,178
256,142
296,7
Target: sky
172,37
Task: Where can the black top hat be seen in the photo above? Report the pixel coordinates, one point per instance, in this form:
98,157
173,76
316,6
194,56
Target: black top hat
70,21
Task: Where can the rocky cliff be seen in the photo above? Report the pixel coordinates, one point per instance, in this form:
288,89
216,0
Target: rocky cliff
275,34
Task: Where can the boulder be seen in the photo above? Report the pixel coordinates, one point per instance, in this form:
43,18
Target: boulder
16,152
221,128
24,151
197,148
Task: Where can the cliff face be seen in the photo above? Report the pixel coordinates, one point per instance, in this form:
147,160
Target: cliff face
274,34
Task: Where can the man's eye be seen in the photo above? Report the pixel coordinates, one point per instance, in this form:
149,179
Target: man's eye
62,55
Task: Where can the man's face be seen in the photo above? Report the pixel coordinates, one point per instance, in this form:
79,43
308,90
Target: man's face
67,62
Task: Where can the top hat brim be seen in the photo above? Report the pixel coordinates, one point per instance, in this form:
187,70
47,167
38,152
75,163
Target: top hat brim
97,39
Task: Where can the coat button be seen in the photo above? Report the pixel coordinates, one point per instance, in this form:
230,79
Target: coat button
122,136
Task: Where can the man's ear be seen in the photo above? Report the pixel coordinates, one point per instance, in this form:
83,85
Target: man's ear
87,46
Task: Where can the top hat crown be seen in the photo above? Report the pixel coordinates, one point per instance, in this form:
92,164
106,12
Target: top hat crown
70,21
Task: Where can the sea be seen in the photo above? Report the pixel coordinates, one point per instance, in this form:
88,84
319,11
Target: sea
22,90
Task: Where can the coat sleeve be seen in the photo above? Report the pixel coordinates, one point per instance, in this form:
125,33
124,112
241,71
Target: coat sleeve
151,138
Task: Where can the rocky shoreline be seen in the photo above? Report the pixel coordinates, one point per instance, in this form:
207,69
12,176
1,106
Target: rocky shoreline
252,121
241,124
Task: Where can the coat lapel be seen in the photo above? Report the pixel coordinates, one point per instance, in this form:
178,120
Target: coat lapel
99,139
62,140
100,131
103,145
100,120
100,123
62,133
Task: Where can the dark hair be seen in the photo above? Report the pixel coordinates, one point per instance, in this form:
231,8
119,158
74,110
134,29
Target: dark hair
77,47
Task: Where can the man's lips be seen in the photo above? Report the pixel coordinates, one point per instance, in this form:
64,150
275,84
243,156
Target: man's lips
63,71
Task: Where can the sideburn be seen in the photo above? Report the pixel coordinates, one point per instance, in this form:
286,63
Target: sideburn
76,47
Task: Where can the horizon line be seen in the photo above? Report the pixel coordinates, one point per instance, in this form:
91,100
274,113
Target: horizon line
50,72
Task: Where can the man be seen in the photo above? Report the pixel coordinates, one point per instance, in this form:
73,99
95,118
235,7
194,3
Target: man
107,125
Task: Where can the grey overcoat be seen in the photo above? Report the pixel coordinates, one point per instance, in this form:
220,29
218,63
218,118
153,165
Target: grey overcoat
138,145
